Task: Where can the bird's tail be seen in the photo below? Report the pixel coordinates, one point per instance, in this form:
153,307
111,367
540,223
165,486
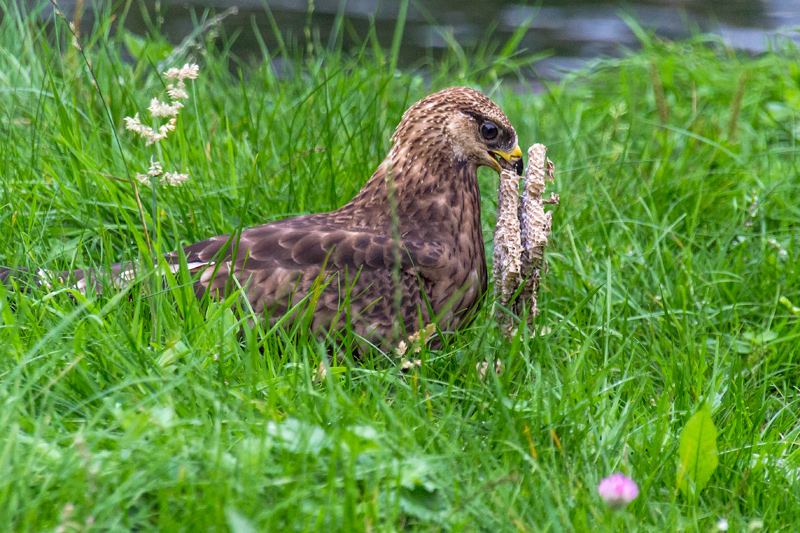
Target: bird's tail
25,279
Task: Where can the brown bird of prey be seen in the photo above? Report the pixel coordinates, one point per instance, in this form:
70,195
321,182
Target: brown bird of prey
407,248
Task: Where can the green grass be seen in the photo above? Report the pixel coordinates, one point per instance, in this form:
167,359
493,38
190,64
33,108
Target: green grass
673,282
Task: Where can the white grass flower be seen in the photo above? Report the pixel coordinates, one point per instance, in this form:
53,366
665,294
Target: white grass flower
406,364
160,109
402,347
483,367
186,72
135,125
416,341
164,130
153,172
146,132
173,179
177,93
722,524
155,168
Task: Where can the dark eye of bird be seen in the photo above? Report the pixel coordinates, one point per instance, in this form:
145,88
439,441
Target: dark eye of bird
488,131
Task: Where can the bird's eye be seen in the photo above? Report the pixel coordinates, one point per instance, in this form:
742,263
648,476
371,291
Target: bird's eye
488,131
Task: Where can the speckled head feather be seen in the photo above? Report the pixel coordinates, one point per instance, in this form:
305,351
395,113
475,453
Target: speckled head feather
437,108
455,116
414,230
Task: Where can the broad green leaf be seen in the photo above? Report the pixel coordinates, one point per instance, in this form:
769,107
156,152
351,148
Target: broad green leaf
419,494
762,337
698,453
297,436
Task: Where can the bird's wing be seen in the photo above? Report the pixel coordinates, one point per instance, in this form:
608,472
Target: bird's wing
278,262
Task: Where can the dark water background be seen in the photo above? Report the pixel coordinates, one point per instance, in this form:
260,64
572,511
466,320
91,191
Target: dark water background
572,30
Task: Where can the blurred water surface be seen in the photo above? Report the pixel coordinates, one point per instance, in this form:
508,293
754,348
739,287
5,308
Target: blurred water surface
573,31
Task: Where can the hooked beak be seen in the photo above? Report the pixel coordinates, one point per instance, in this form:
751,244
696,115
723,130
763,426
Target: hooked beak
511,157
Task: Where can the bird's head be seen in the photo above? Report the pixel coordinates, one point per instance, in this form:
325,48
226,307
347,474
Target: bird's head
465,125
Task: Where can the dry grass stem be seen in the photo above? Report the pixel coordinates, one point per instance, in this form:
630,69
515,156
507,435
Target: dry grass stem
521,235
535,225
507,246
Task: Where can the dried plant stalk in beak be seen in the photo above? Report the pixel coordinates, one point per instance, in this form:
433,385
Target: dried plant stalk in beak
535,225
507,262
521,235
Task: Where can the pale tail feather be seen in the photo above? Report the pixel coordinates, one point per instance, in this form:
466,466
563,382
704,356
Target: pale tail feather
118,276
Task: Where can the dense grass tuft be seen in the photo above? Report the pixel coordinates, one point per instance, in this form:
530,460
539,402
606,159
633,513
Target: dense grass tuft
673,282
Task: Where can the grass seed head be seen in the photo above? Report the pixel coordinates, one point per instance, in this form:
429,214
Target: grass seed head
186,72
159,109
